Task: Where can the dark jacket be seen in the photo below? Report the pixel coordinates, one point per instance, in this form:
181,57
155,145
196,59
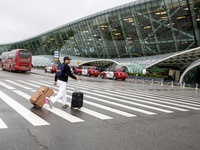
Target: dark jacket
67,72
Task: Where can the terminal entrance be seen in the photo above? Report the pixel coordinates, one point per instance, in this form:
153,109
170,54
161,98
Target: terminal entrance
100,64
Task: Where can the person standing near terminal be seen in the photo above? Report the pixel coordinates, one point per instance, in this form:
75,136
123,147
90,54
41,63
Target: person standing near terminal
61,82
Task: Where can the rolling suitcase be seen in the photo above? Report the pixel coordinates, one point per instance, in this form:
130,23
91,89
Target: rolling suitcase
38,97
77,100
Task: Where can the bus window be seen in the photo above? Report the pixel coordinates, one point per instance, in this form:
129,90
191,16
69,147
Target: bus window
24,54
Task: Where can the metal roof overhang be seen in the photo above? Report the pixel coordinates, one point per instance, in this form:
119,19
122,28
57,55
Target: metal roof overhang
100,62
179,60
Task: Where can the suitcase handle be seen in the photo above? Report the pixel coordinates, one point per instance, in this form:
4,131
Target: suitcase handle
53,86
75,87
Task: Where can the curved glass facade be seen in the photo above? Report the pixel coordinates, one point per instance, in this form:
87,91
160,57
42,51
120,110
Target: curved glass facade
192,76
140,28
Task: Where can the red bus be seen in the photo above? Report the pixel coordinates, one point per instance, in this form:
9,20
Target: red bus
16,60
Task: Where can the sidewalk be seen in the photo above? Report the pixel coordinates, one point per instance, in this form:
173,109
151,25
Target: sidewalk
42,72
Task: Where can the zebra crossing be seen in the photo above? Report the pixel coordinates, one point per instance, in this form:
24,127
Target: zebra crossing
100,102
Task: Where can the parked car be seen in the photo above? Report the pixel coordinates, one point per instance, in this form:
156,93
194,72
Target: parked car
114,73
51,68
89,71
76,69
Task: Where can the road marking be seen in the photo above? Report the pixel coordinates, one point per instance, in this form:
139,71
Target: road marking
2,124
90,112
42,84
7,86
134,93
95,114
110,109
63,114
181,98
103,107
29,83
140,97
180,101
100,106
166,106
55,110
24,112
124,106
25,87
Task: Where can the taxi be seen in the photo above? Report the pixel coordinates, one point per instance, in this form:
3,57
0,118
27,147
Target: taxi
114,73
51,68
76,69
89,71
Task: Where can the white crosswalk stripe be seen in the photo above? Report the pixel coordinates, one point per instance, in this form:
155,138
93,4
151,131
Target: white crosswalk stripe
28,83
167,111
55,110
144,94
91,112
132,91
27,114
122,103
25,87
149,98
101,106
6,86
104,107
109,109
2,124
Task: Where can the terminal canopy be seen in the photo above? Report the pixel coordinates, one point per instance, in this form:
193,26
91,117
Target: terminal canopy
100,63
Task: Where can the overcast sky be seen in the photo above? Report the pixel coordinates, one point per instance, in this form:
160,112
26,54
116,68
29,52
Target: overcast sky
21,19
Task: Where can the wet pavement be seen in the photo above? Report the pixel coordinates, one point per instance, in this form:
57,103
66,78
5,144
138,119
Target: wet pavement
116,115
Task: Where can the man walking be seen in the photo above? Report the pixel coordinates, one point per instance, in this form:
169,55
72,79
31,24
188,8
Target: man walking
61,82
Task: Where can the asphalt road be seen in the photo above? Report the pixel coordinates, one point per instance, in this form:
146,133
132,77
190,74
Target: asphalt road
117,115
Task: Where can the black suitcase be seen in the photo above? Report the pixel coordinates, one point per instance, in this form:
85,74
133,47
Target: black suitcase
77,100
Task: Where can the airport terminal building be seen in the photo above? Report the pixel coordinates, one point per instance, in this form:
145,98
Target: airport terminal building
138,35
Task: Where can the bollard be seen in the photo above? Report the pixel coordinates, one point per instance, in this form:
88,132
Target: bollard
172,84
152,81
183,85
143,80
161,82
196,86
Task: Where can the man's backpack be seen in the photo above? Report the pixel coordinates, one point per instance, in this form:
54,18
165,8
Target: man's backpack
59,70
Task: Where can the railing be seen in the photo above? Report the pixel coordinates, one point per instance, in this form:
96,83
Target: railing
161,81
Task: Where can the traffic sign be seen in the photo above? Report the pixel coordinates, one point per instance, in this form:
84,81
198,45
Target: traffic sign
56,54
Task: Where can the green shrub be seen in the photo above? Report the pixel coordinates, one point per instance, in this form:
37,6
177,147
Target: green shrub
131,74
160,76
170,77
147,74
139,74
40,66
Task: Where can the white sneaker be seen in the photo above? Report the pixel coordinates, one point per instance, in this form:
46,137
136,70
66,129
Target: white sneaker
50,103
64,106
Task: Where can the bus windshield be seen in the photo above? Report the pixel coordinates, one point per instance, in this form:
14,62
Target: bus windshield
24,54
